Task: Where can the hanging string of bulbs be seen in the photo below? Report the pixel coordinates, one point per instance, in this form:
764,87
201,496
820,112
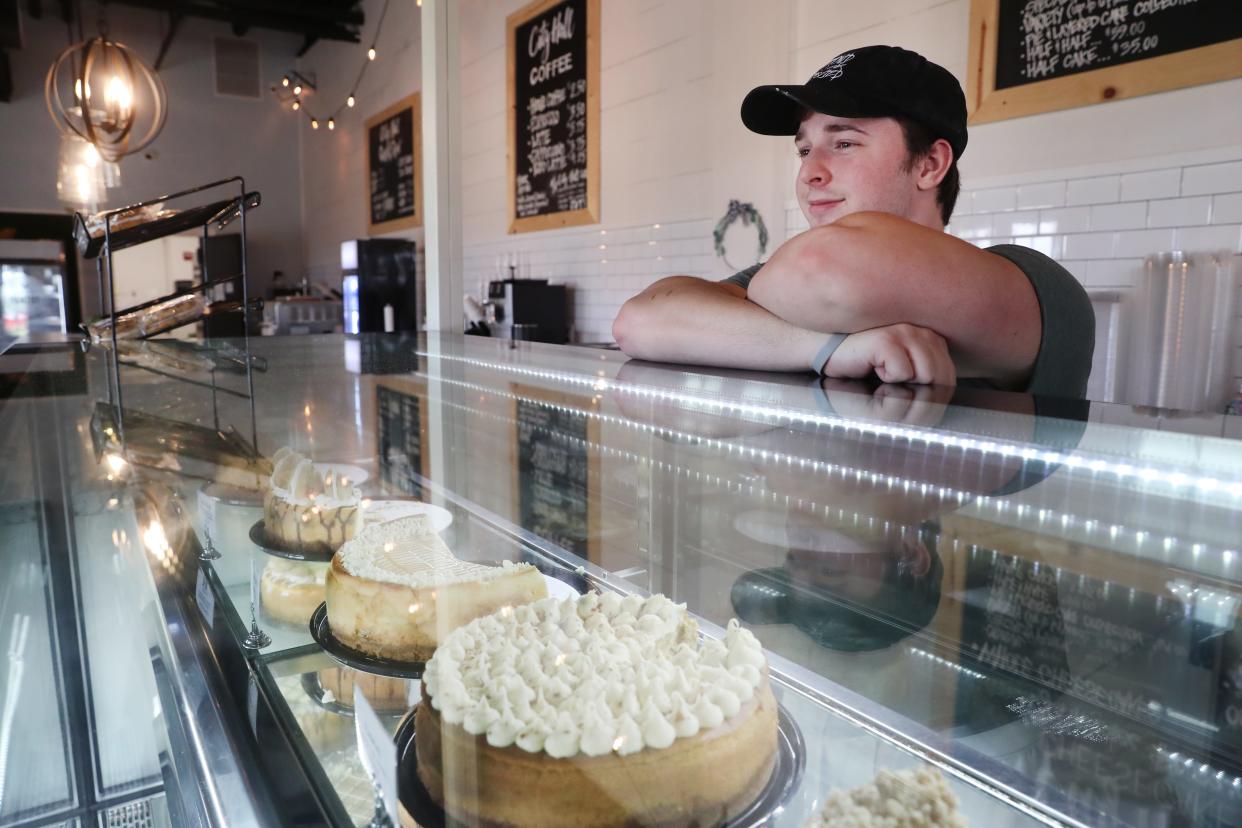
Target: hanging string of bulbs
297,81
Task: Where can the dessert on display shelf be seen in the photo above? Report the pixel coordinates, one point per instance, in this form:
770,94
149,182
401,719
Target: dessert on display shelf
595,711
918,798
303,510
396,590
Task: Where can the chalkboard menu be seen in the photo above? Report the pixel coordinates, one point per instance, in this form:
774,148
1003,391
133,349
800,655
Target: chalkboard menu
394,161
400,439
553,65
1030,56
553,474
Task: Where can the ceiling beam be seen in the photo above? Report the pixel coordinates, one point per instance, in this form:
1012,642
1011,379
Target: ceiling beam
245,17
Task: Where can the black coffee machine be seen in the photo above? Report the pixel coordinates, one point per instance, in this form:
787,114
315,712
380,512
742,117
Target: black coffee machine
527,309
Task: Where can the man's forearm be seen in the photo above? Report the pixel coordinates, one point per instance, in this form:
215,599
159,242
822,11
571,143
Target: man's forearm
685,319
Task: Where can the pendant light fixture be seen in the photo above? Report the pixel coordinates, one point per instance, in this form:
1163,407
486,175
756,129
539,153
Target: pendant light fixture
103,92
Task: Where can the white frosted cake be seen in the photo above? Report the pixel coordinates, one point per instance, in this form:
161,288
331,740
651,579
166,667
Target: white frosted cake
894,799
396,590
599,711
292,590
307,512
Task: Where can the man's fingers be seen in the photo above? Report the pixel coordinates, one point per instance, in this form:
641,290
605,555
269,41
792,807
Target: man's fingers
892,362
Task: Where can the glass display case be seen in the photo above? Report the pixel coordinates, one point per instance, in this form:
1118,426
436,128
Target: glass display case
1035,599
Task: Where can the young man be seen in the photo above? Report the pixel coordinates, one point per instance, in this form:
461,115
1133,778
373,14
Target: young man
875,286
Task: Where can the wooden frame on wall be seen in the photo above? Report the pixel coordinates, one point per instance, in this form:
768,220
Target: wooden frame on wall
986,103
590,214
412,103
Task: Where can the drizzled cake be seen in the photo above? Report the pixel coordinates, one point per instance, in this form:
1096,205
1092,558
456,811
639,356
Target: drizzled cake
292,590
599,711
894,799
396,590
305,511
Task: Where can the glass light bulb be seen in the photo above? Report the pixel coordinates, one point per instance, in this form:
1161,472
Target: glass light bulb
371,53
118,93
331,124
297,90
296,106
349,101
314,124
284,81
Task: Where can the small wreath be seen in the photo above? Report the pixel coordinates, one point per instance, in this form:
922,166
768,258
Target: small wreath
748,214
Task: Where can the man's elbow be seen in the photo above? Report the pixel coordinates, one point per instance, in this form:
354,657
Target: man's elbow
805,283
630,328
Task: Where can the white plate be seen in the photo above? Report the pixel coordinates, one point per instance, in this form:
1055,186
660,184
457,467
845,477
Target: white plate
382,511
559,589
355,475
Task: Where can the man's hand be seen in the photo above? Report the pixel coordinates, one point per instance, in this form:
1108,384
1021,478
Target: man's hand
895,353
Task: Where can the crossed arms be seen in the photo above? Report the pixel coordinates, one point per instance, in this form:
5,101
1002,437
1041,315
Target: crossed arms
921,306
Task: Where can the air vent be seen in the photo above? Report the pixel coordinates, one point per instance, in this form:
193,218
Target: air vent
237,68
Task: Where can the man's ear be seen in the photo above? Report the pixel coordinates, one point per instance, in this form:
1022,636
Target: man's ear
934,166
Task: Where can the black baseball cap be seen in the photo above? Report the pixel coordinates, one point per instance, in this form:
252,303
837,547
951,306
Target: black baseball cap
871,82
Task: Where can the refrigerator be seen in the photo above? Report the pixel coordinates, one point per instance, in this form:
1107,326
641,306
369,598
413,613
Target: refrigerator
35,289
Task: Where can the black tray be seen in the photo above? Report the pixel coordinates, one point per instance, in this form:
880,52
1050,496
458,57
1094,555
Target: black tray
786,776
274,547
322,633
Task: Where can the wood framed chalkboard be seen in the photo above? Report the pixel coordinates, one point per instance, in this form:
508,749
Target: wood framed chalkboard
556,471
401,408
394,150
1032,56
553,82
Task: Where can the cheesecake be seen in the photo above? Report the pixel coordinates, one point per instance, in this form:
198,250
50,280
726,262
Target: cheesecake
396,590
306,512
918,798
599,711
291,591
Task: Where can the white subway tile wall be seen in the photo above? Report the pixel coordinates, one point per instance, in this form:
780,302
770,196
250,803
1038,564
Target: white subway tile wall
1110,223
1099,227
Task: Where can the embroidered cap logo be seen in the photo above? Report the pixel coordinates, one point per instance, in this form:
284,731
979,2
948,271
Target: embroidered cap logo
835,67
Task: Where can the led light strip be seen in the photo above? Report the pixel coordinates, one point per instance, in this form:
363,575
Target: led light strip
1122,470
1001,505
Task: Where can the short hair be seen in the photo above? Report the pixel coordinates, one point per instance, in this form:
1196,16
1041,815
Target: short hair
919,140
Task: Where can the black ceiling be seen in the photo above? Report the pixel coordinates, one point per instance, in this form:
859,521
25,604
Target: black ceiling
313,19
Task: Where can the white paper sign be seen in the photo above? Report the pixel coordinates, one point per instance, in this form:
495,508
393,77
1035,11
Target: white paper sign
205,598
378,752
207,517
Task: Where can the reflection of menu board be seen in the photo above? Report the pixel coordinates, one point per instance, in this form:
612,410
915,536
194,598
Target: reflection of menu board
554,474
394,161
553,64
1031,56
400,448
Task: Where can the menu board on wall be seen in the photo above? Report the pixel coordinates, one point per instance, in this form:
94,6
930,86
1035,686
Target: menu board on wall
556,500
401,424
1031,56
394,167
553,68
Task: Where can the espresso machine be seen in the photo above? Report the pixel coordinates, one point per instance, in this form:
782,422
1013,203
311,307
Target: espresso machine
527,309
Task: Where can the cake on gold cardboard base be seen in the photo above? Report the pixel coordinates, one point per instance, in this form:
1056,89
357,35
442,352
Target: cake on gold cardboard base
596,712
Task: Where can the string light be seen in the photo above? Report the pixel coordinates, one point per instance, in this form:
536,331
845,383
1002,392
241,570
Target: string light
351,100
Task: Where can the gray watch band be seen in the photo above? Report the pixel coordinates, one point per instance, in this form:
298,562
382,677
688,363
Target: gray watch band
825,353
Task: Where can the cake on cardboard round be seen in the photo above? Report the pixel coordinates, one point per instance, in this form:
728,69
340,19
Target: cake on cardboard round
304,511
396,590
599,711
